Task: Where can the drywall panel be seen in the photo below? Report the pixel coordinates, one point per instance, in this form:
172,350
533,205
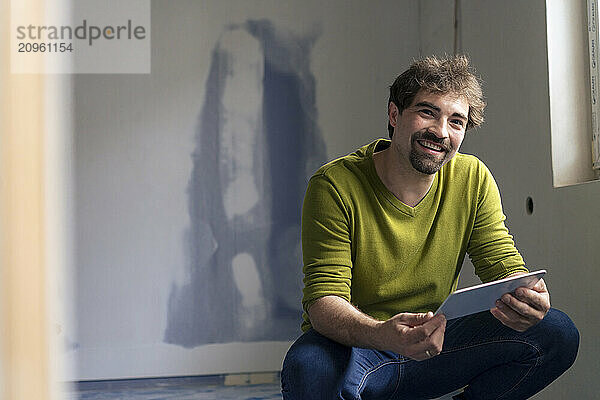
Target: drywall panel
189,180
507,43
436,27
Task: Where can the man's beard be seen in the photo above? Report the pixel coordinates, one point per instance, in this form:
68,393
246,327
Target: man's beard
426,163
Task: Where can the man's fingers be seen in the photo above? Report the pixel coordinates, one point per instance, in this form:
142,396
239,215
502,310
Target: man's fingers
510,318
540,286
509,311
415,319
431,346
426,329
437,339
523,310
419,334
520,307
430,332
533,298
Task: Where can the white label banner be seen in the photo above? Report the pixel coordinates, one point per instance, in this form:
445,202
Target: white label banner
86,36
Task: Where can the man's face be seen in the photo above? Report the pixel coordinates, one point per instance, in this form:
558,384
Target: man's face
430,131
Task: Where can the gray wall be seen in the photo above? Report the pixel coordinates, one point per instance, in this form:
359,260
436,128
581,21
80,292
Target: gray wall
149,301
507,42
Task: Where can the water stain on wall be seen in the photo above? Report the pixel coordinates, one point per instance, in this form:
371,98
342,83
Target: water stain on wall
257,144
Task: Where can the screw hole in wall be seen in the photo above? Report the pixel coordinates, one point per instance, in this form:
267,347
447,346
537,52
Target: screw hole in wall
529,205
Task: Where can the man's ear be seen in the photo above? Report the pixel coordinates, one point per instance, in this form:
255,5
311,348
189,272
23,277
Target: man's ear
393,114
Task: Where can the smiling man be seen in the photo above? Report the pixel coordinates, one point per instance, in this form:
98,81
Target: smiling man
384,234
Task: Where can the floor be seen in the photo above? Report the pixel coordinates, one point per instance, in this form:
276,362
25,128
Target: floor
194,388
180,388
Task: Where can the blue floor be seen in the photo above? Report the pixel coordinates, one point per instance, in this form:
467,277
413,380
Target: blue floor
181,388
193,388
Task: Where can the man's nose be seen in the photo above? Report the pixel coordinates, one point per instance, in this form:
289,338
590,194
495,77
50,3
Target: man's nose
440,128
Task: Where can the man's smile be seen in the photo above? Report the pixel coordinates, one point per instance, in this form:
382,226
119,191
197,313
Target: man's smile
431,146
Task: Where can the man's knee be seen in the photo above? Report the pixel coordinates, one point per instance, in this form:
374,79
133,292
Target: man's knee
313,364
563,338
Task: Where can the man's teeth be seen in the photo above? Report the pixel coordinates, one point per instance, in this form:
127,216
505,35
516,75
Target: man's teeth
431,146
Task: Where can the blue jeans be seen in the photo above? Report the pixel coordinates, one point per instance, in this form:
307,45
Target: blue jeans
490,359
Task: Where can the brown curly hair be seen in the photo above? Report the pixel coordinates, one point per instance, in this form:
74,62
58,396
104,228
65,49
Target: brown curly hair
451,74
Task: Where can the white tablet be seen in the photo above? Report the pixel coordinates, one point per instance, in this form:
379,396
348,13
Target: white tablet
483,297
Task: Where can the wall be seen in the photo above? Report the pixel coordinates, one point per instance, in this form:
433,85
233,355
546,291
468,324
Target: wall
146,302
507,43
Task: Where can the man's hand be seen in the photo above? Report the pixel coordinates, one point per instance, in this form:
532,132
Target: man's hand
525,308
418,336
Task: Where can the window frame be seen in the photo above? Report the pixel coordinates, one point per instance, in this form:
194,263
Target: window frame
593,41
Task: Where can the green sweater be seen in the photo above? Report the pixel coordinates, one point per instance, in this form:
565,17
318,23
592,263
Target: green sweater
361,243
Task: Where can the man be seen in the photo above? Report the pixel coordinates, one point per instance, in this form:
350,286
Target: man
384,234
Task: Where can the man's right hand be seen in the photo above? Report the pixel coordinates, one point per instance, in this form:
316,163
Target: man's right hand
417,336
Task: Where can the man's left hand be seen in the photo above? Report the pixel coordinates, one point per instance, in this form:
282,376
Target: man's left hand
524,308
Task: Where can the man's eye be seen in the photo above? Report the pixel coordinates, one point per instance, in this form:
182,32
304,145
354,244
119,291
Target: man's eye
426,112
457,122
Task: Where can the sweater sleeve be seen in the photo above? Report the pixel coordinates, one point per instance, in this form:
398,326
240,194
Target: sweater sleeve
491,248
326,249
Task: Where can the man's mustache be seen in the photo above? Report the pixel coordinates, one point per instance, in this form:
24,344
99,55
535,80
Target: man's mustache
427,135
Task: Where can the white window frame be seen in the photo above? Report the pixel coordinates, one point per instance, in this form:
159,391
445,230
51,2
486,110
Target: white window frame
593,41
